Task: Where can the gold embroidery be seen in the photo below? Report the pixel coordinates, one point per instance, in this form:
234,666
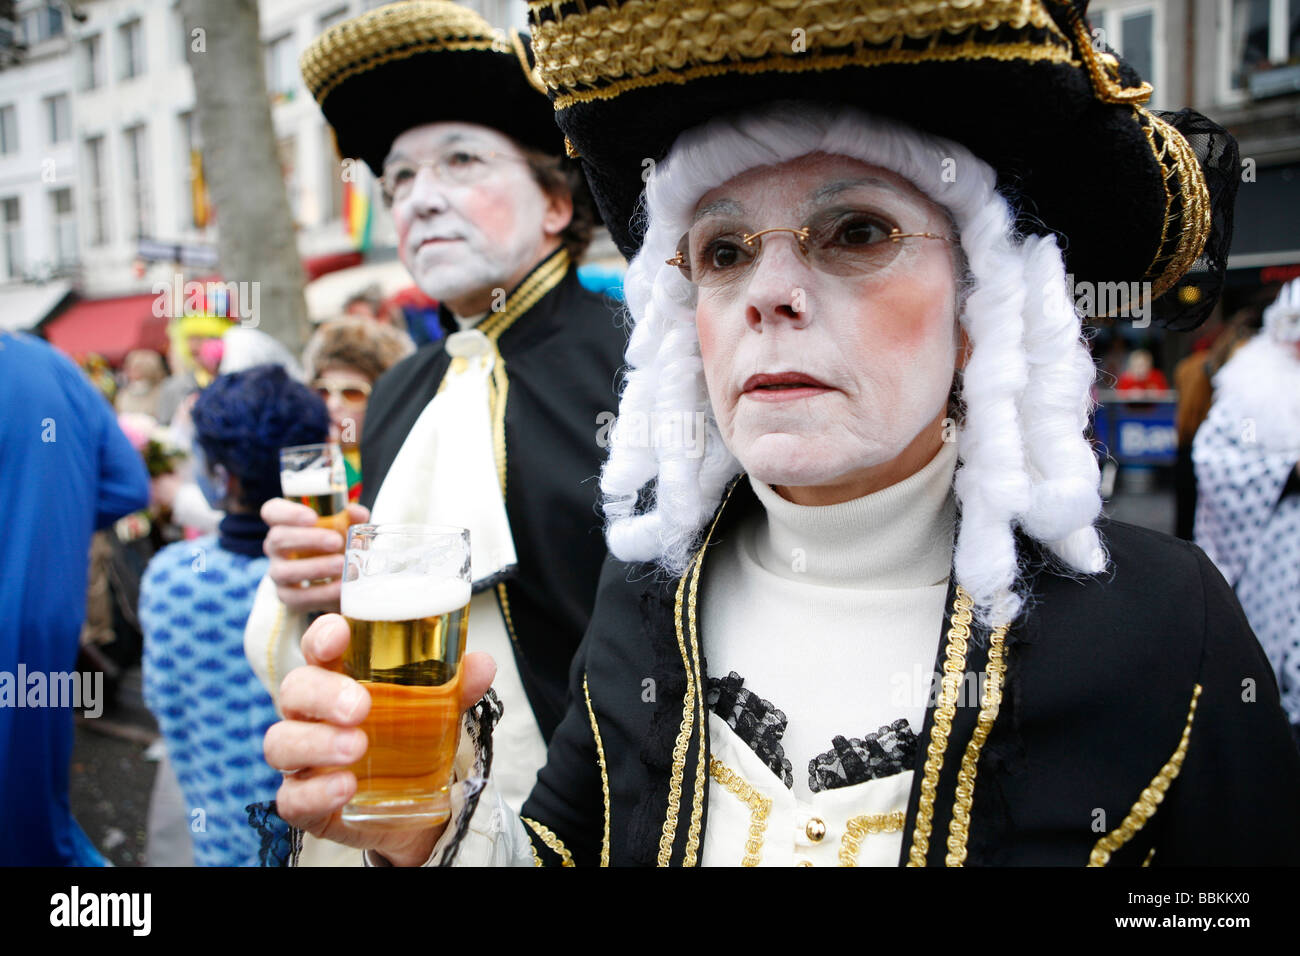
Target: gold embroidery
697,808
1188,225
602,51
534,80
604,776
954,666
1150,854
395,32
959,825
688,714
759,807
1105,85
551,840
858,827
1149,801
504,604
669,832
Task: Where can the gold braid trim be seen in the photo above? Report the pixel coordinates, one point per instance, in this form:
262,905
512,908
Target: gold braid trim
954,666
667,40
759,807
669,831
858,827
604,776
551,840
395,32
1188,225
959,825
1151,797
1105,85
693,682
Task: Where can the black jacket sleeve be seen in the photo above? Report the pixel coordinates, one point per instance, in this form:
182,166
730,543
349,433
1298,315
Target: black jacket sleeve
1236,800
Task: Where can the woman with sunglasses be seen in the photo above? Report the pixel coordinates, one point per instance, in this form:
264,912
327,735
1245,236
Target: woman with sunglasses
343,360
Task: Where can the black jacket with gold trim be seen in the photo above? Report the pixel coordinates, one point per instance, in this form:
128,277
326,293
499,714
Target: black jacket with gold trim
561,347
1141,692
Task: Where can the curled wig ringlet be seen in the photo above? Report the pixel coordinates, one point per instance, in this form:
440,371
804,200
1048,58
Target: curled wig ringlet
243,419
1025,391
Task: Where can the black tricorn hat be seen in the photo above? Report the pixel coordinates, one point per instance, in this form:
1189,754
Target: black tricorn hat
425,61
1136,194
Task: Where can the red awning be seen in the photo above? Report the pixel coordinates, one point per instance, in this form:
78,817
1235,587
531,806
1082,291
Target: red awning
317,266
108,327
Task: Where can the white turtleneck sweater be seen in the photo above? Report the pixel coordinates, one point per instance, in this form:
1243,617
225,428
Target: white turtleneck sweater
832,615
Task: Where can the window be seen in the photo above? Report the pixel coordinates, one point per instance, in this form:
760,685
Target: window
1133,30
131,37
1261,34
58,118
136,143
42,23
8,130
92,63
95,179
65,227
13,233
281,68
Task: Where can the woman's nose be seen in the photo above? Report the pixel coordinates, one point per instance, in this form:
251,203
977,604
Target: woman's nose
778,284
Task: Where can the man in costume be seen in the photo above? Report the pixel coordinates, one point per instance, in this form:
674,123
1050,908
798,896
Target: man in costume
491,220
1247,458
829,260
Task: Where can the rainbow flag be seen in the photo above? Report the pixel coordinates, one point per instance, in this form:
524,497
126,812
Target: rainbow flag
357,213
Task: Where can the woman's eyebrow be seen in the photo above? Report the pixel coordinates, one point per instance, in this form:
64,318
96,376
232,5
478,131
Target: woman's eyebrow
728,207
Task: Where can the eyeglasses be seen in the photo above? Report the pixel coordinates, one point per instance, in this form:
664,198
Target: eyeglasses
457,167
353,394
838,242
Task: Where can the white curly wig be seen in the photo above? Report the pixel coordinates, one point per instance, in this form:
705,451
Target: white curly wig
1023,458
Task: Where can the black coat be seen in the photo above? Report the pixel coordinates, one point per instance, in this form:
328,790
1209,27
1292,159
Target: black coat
561,359
1101,677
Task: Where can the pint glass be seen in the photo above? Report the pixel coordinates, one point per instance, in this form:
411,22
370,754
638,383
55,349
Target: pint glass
314,475
406,594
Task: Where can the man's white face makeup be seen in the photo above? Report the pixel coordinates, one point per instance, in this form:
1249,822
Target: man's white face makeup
826,355
470,217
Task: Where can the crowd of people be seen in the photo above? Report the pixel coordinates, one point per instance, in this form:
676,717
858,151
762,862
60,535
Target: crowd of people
851,474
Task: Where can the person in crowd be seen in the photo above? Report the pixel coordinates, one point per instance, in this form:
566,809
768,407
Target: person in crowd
344,359
66,470
1141,375
1247,459
194,602
144,373
894,492
491,220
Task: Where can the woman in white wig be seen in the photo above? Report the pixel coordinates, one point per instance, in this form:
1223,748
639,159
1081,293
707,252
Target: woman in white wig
866,568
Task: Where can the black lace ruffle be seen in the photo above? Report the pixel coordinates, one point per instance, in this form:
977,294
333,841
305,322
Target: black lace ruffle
755,721
890,750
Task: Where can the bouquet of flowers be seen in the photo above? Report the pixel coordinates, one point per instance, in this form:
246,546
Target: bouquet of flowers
156,443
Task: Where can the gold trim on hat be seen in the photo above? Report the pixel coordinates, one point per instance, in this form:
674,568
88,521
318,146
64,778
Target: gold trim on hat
603,51
395,32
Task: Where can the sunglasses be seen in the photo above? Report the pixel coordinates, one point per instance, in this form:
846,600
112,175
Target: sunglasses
843,242
353,394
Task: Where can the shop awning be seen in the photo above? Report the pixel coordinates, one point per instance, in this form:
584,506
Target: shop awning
108,327
24,307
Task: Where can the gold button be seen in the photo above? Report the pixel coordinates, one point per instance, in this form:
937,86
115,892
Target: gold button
804,863
816,829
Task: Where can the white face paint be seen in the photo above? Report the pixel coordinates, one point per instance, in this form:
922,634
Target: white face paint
875,352
462,241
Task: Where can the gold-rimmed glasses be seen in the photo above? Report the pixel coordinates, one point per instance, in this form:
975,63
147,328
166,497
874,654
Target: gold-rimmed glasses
837,242
459,166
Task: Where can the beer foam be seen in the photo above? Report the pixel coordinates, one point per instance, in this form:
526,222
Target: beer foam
307,483
402,597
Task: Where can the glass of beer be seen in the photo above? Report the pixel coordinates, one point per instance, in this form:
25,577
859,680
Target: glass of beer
314,475
406,594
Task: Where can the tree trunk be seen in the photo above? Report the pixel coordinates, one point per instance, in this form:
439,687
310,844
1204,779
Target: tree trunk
255,232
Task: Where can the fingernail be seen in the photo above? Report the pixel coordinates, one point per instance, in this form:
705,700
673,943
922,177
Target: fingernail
339,788
348,745
350,701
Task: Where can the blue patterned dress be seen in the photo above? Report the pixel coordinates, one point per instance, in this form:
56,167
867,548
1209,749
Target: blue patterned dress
213,713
